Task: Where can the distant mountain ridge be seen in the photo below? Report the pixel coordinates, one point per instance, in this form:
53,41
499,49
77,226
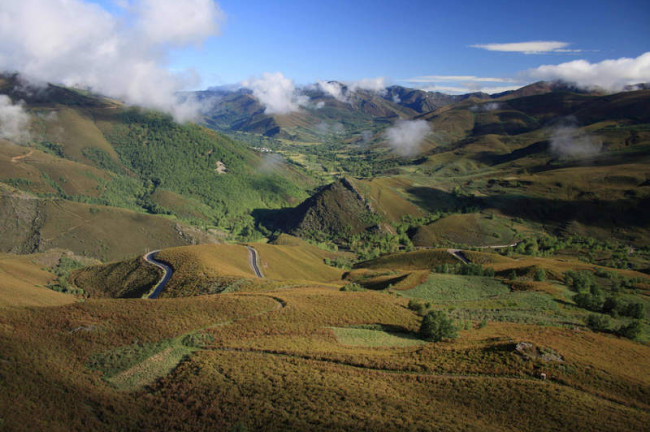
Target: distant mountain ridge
356,109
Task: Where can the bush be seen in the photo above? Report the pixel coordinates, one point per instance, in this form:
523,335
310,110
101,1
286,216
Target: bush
634,310
630,331
579,281
598,322
436,326
540,275
417,307
352,287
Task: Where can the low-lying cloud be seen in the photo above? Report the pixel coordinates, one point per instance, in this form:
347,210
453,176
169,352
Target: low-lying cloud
486,107
610,75
334,89
570,142
276,92
377,85
14,121
78,43
271,163
344,92
324,128
406,136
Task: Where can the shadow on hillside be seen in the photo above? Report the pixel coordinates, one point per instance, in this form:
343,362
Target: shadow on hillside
600,213
540,148
273,219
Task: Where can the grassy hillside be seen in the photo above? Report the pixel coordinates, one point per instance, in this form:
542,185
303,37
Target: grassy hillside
280,361
24,280
126,279
39,224
87,149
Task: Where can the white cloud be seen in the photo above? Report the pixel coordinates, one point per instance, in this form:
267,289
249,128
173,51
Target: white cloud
14,120
276,92
377,85
179,22
568,141
77,43
271,163
343,93
533,47
612,75
486,107
453,78
334,89
324,128
469,89
406,136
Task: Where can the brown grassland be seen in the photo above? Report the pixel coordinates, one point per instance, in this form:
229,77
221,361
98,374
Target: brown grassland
284,369
274,355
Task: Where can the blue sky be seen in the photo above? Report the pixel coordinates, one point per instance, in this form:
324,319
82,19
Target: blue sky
350,40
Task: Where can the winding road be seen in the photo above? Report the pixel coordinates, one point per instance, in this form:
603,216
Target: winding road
167,274
252,260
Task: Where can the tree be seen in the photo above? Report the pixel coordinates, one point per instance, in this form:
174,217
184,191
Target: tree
436,326
630,331
540,275
598,322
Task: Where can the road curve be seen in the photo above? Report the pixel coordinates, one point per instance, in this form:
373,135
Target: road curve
252,260
458,254
167,274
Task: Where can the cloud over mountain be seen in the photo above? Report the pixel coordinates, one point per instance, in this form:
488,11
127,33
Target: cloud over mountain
276,92
406,136
77,43
14,120
612,75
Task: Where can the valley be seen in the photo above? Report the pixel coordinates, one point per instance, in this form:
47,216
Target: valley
276,272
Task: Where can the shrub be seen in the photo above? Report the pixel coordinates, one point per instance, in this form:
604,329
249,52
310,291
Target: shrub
630,331
540,275
598,322
612,306
352,287
579,281
417,307
634,310
436,326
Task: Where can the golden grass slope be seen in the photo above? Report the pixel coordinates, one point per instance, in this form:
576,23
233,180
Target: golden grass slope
297,262
23,282
473,229
283,368
19,162
204,269
109,233
75,131
386,197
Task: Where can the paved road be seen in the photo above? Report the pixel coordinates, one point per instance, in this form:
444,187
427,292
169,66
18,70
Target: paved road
252,260
167,274
458,254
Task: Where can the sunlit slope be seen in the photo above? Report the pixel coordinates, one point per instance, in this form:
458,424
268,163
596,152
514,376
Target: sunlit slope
37,224
211,269
23,282
266,358
297,262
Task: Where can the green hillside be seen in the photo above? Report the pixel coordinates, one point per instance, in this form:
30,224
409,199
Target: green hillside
179,180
